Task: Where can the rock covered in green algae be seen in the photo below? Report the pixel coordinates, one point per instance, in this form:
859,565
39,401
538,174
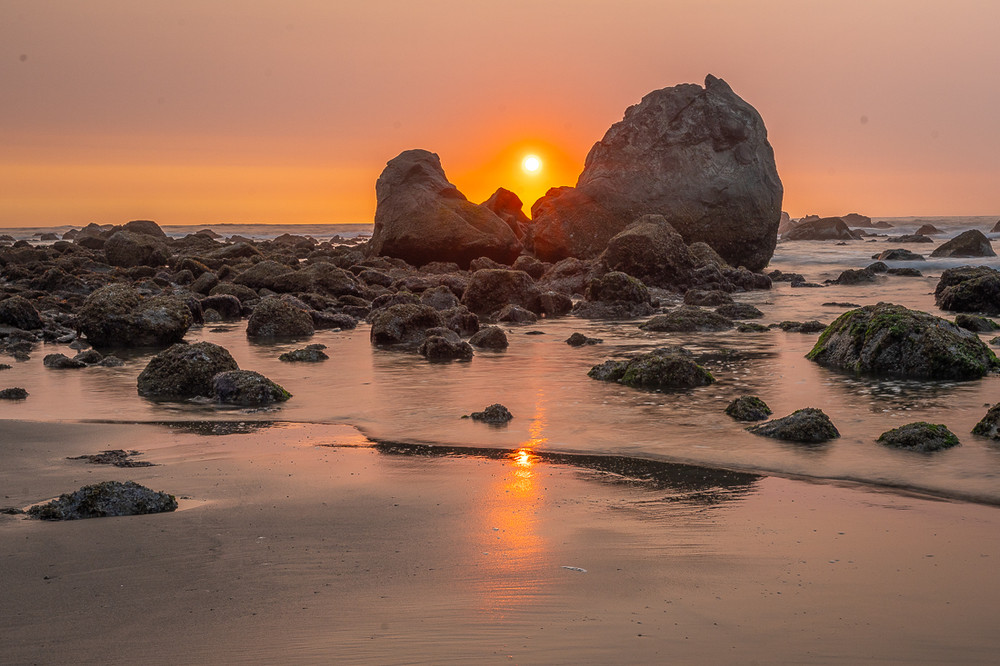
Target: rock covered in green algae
989,426
110,498
975,323
919,436
659,369
184,371
495,414
748,408
687,318
809,426
969,289
247,388
892,340
118,316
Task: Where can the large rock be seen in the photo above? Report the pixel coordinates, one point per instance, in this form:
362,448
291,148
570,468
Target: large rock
891,340
660,369
809,426
420,217
101,500
698,156
127,249
969,289
275,318
403,324
247,388
651,250
508,207
856,220
615,295
182,371
490,289
824,228
971,243
118,316
17,311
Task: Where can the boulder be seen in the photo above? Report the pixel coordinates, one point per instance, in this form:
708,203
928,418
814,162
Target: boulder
615,295
489,337
739,311
554,304
495,414
660,369
439,298
856,276
911,238
308,354
13,393
703,255
262,275
100,500
811,326
898,254
227,305
442,348
145,227
183,371
710,297
247,388
975,323
920,436
989,425
403,324
971,243
127,249
905,272
420,217
508,207
809,426
62,362
530,265
882,224
490,289
969,289
651,250
687,318
928,230
697,156
824,228
856,220
17,311
276,318
748,408
996,228
579,340
118,316
891,340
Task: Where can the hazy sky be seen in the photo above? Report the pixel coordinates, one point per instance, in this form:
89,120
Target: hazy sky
202,111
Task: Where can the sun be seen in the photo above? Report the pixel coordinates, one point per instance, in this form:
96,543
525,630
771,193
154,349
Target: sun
531,164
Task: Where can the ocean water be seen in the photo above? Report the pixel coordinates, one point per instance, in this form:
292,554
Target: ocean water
400,396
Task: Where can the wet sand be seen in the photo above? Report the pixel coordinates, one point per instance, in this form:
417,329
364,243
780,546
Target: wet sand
305,544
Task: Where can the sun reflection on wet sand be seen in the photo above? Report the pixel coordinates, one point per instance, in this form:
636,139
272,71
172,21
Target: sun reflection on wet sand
511,547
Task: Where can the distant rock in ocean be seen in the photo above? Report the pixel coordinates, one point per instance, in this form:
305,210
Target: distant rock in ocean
856,220
823,228
698,156
420,217
971,243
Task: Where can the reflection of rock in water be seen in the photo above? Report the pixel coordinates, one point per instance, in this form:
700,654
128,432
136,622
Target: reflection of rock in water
217,427
894,395
691,483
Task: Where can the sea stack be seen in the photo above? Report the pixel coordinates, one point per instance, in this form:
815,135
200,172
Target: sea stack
697,156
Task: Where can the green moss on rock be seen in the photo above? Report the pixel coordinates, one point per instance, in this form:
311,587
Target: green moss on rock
809,426
660,369
748,408
919,436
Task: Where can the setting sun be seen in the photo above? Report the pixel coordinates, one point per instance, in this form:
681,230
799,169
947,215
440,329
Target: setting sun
531,164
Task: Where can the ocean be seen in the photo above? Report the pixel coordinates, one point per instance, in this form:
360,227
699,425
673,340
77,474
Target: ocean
400,396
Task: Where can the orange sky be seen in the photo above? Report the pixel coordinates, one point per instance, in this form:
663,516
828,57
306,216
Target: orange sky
202,111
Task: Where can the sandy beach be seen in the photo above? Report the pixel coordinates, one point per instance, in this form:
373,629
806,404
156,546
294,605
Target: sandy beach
299,543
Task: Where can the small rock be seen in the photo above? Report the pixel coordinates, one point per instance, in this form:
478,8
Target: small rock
919,436
975,323
110,498
687,318
989,425
809,425
14,393
440,348
61,362
489,337
247,388
495,414
748,408
811,326
659,369
579,339
739,311
308,354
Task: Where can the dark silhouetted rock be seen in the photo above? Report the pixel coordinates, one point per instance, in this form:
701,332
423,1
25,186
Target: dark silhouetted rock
739,311
710,297
441,348
308,354
533,267
920,436
403,324
698,156
17,311
969,289
491,289
247,388
515,314
182,371
615,295
127,249
495,414
748,408
971,243
579,340
905,272
489,337
439,298
554,304
811,326
856,276
898,254
227,305
661,369
975,323
891,340
420,217
13,393
62,362
118,316
856,220
927,230
145,227
652,251
825,228
809,426
911,238
989,425
263,274
687,318
275,318
102,500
